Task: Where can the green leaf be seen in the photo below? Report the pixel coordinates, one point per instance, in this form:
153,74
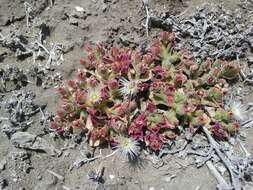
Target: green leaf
83,113
180,96
165,55
171,116
222,115
173,58
159,98
155,118
179,108
188,85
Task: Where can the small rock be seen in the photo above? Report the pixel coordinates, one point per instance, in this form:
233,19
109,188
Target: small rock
79,9
15,180
124,40
84,26
169,178
3,164
73,21
250,60
68,47
33,142
115,28
78,15
111,177
3,183
64,16
19,155
39,177
251,43
86,151
77,139
104,7
66,154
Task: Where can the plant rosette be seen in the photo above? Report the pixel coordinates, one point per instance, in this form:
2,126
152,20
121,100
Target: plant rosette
123,93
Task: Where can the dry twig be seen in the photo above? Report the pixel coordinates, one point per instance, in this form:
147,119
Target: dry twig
147,23
56,175
28,10
222,184
234,178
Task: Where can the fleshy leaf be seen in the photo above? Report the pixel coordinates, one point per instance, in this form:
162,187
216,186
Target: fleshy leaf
158,98
230,71
180,96
222,115
171,116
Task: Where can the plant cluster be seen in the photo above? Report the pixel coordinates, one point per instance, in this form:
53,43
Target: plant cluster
150,97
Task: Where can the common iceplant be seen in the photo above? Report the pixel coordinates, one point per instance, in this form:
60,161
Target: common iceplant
127,98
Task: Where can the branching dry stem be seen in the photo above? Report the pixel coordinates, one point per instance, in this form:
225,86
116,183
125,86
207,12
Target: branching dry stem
87,160
28,10
222,184
147,22
234,179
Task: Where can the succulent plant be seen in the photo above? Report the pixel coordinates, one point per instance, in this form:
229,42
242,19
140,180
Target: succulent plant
122,93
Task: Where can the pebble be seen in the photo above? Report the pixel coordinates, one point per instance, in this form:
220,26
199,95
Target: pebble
3,183
250,60
84,26
79,9
124,40
73,21
3,164
32,142
104,7
111,177
39,177
169,178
